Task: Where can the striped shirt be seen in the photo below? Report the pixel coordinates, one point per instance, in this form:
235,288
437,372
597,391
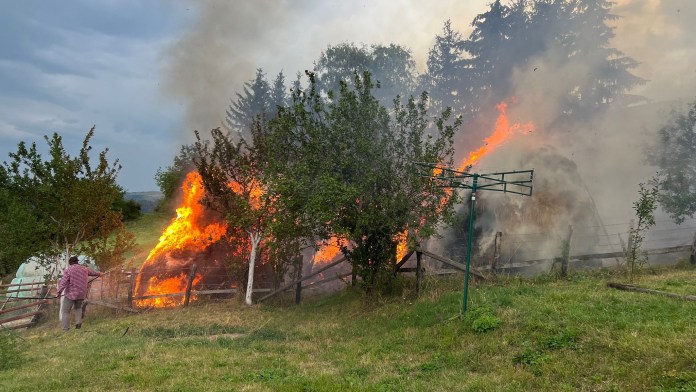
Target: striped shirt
74,281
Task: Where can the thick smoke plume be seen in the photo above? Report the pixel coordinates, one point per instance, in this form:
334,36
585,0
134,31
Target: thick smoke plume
595,164
227,40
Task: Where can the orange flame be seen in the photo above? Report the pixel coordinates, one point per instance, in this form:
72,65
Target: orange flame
186,232
402,245
328,250
173,285
502,132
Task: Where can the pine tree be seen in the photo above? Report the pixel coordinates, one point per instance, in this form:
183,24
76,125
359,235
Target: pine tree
278,95
446,78
253,102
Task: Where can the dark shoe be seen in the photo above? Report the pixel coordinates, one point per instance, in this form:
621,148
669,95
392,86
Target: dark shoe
78,326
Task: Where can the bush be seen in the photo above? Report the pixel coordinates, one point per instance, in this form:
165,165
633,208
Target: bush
483,319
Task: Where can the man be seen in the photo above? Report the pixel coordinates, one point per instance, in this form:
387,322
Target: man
73,285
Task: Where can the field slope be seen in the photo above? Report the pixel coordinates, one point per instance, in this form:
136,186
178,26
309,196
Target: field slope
553,335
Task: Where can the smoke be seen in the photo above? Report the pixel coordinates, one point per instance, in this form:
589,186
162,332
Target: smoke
659,34
220,51
610,148
595,165
227,40
587,174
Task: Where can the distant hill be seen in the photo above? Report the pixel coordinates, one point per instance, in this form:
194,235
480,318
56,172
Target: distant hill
147,200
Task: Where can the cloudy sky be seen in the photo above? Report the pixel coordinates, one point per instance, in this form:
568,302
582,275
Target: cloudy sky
148,72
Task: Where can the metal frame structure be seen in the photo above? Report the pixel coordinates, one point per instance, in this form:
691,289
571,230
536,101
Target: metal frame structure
518,182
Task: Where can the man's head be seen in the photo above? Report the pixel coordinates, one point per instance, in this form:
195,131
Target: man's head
73,260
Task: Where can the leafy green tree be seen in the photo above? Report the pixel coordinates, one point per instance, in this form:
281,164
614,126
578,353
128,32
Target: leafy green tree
344,169
233,171
69,200
21,232
392,68
644,208
675,155
129,209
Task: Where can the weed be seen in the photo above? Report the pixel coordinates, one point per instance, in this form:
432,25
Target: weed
483,319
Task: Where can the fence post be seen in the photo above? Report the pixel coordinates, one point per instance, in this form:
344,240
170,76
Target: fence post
419,272
131,287
496,250
693,251
298,287
566,252
189,284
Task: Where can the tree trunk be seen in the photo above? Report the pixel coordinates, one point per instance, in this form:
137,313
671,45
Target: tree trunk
255,239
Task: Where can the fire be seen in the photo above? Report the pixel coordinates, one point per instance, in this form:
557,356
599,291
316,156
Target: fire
502,132
255,193
402,245
176,284
328,251
186,232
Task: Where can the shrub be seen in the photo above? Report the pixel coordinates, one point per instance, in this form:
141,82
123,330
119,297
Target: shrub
483,319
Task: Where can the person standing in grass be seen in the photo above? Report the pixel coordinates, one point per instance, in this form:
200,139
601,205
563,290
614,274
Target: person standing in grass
73,286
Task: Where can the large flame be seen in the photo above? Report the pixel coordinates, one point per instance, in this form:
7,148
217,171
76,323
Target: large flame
186,232
189,231
502,132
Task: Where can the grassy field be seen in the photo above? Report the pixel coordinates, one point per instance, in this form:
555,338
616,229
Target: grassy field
543,334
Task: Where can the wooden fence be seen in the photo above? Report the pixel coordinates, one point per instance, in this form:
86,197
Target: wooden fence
15,310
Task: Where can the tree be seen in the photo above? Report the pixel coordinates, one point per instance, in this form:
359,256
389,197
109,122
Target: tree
645,212
447,79
587,40
391,67
497,44
68,200
344,169
233,174
278,95
675,155
254,101
21,232
129,209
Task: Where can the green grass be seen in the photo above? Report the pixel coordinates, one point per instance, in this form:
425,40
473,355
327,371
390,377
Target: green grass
541,334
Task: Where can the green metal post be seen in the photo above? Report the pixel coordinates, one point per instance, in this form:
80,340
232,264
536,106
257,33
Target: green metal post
465,300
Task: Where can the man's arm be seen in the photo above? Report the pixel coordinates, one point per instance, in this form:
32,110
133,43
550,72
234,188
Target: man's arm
93,273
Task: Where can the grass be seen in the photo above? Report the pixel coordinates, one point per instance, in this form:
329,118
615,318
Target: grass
540,334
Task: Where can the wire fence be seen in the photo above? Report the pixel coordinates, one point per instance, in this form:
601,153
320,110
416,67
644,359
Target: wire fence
506,249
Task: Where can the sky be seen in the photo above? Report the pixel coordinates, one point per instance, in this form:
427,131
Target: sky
148,72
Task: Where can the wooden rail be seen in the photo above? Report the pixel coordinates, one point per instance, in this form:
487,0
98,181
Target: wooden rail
19,317
450,262
8,310
629,287
287,286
